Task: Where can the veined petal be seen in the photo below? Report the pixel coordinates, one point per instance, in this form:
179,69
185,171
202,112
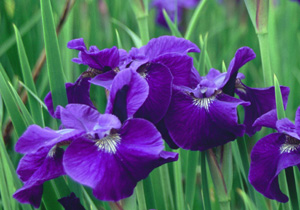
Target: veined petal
286,126
180,67
50,167
200,124
77,44
99,59
268,158
95,58
128,92
268,120
79,116
36,137
168,44
262,101
156,105
114,173
297,121
104,80
242,56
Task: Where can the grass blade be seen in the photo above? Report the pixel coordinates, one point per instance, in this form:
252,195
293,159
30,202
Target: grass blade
35,108
41,103
135,38
54,65
171,25
204,180
11,104
25,112
279,102
194,19
248,203
192,162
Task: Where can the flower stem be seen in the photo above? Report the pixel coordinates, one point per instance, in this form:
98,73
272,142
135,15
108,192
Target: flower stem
143,27
263,39
178,184
141,196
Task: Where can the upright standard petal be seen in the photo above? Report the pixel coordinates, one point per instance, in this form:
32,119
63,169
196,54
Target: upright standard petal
262,101
104,80
159,80
77,44
168,44
46,165
80,117
203,123
180,66
103,60
113,172
242,56
269,157
128,92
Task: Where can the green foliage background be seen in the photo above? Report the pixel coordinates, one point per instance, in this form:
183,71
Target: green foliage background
219,29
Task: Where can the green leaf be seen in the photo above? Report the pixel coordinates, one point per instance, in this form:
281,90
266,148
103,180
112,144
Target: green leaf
141,196
194,19
190,187
204,181
35,108
41,103
11,104
54,65
166,186
88,198
227,168
171,25
27,26
248,202
50,196
279,102
4,189
218,180
27,117
202,61
135,38
118,39
178,184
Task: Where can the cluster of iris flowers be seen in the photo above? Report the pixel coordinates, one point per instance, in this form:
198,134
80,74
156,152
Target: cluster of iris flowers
154,93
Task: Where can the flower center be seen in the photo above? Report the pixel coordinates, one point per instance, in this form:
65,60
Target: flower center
291,144
206,101
239,86
203,102
109,143
52,151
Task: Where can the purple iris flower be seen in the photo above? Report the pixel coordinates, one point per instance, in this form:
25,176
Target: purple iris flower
206,116
262,103
109,152
171,7
71,202
296,1
273,153
103,67
118,151
162,63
